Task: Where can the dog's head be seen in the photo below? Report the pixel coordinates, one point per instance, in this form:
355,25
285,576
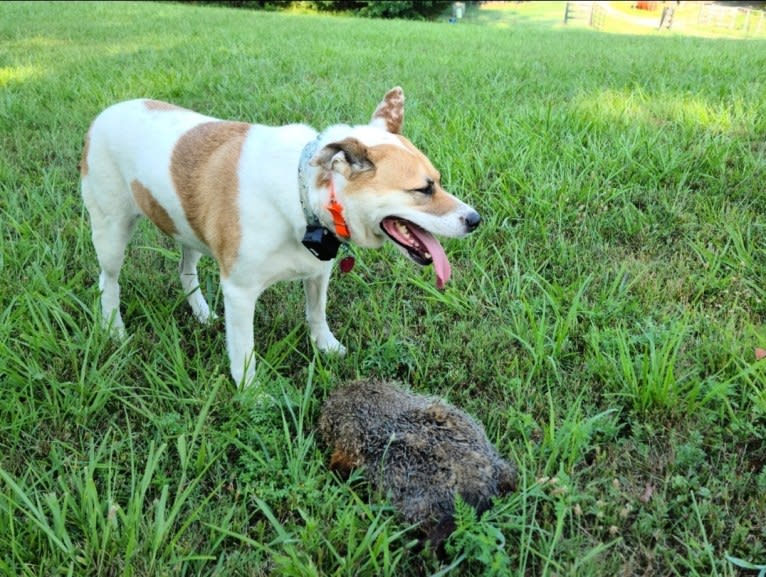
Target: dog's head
389,189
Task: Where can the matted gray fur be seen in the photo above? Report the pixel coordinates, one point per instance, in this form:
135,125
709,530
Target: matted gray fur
419,451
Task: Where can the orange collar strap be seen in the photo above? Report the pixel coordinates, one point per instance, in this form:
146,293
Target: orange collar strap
336,210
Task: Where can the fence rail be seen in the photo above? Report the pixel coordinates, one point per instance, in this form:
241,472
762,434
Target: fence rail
734,20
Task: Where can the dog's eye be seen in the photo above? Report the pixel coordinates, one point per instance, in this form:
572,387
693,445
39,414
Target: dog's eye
428,189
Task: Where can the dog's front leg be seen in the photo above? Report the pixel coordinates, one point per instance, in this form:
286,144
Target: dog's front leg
316,306
239,309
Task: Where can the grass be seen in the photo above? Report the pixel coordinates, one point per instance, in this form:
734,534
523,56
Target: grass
601,322
622,17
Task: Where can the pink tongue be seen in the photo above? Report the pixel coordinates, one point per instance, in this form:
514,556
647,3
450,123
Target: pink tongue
441,264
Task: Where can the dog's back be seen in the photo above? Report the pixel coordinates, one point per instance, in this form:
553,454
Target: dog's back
419,450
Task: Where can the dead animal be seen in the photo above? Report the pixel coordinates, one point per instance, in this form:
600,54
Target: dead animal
419,451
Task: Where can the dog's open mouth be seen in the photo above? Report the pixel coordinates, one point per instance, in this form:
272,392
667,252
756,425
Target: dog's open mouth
419,244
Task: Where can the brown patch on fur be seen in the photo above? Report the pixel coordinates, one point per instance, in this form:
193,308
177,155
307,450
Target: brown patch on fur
152,209
159,105
84,159
356,157
405,169
204,171
391,110
343,462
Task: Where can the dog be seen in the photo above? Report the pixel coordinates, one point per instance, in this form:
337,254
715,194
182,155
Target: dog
269,203
419,451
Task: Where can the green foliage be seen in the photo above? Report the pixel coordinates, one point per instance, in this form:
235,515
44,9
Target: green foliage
747,565
406,9
412,9
478,545
270,5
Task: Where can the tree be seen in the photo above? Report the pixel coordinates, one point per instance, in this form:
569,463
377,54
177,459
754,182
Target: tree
410,9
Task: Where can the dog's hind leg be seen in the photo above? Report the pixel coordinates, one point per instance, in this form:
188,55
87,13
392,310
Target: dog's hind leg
316,315
190,284
111,234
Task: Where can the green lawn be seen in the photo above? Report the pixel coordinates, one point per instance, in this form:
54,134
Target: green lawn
511,14
601,323
622,17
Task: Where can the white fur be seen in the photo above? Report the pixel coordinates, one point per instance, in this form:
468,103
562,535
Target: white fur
131,141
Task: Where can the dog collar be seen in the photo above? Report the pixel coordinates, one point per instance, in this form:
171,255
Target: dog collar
303,184
318,239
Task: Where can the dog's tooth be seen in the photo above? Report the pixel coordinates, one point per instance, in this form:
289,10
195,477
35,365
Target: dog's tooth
404,231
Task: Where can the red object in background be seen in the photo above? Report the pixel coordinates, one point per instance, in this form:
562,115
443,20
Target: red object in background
646,6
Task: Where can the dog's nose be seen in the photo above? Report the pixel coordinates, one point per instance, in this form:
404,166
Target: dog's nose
472,220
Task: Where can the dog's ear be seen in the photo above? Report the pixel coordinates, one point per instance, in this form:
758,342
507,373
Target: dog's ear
348,157
389,114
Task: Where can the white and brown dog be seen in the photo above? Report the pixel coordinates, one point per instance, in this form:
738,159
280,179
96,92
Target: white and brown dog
268,203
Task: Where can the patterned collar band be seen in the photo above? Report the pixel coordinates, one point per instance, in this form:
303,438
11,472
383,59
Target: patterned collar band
303,184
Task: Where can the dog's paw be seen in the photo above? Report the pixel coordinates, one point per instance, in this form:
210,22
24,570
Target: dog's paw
205,317
116,329
259,404
340,350
331,345
200,309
